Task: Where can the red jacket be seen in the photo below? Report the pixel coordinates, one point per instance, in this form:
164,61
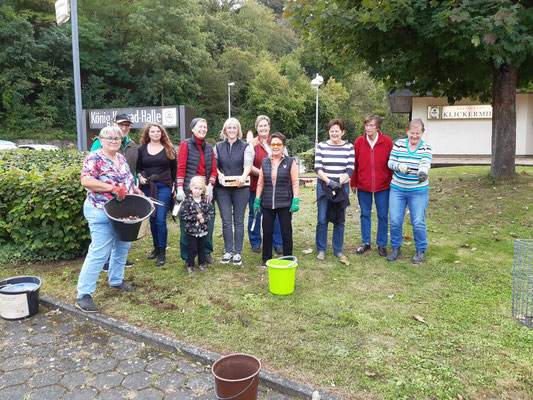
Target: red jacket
371,172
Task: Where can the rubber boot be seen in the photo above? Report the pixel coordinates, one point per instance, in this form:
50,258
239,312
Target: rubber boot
155,253
161,257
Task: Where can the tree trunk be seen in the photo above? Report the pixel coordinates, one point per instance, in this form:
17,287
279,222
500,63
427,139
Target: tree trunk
504,123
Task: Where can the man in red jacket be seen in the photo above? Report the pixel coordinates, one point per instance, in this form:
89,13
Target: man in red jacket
372,176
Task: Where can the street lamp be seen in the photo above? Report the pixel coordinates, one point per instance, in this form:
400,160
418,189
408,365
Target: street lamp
315,83
230,84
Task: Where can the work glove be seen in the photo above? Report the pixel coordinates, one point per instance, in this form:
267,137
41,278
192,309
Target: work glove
257,204
334,185
403,168
210,193
180,196
422,175
295,206
119,192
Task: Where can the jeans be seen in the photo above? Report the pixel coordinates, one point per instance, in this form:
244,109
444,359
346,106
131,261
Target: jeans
158,223
196,247
417,200
285,218
381,199
184,244
255,235
337,240
232,205
104,246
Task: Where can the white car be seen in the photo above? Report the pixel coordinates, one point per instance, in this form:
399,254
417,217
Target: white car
6,145
38,147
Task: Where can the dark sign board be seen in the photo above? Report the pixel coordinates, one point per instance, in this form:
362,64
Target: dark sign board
140,116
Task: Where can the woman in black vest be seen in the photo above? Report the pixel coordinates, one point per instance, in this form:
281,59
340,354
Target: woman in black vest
278,194
234,160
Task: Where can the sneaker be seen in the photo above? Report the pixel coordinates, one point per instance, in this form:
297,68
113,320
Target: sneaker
382,251
125,287
129,264
203,268
394,255
321,255
256,249
190,270
343,259
263,264
419,257
85,303
209,259
364,247
106,267
226,258
279,249
237,260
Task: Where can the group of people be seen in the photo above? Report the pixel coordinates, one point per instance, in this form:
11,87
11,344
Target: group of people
258,173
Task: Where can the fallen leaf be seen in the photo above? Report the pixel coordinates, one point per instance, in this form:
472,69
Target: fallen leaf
406,236
307,251
524,173
391,296
459,397
514,235
53,312
473,249
433,199
315,396
459,347
466,245
497,239
419,318
494,232
499,197
368,373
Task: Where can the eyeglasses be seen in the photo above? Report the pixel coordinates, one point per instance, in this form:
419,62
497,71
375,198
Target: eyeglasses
274,145
112,139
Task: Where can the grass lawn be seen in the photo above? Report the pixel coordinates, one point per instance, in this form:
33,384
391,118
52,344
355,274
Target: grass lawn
351,330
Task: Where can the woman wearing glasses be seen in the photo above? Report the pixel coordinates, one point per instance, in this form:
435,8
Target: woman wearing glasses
278,194
234,160
105,174
334,161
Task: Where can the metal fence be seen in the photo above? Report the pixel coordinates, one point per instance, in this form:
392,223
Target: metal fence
523,282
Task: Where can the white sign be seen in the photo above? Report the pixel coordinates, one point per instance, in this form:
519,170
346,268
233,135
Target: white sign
139,116
62,11
476,111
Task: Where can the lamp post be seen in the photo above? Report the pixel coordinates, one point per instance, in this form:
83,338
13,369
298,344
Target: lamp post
230,84
315,83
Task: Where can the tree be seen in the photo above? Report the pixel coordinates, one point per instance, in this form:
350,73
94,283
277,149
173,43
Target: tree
470,48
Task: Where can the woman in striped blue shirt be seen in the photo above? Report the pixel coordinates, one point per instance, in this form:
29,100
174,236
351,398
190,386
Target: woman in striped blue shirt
410,159
334,163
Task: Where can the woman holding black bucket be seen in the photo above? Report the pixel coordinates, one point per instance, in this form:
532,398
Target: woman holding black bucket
156,170
105,175
277,193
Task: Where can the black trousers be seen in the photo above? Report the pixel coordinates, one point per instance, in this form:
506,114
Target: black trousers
196,247
285,222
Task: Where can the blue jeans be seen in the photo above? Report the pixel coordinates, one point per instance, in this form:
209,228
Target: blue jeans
232,205
337,241
417,200
104,246
158,224
255,235
381,199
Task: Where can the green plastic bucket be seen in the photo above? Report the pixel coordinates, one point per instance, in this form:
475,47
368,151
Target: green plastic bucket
281,274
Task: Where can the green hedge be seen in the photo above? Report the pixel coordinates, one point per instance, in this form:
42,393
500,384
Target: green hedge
308,160
41,205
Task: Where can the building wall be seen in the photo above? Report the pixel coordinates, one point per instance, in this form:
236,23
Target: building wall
472,136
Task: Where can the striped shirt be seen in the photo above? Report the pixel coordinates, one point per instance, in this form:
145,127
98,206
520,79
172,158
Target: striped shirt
335,160
419,159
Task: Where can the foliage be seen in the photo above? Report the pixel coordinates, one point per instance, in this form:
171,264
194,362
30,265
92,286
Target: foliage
41,205
308,159
350,329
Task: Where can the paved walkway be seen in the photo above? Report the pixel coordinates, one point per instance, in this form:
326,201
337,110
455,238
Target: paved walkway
55,355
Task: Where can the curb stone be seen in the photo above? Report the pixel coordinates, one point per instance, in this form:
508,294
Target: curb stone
206,357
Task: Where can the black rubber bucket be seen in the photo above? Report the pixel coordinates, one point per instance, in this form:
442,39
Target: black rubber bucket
236,377
132,205
19,297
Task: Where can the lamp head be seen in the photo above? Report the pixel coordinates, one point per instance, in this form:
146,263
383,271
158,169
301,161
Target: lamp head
317,81
231,84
